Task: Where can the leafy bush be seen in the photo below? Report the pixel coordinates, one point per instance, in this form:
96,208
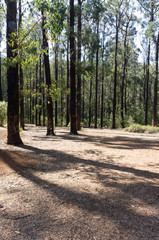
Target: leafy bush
142,128
3,113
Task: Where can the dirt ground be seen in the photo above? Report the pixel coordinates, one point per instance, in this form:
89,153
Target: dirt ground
98,185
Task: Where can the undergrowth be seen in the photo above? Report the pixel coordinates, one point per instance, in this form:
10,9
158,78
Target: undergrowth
3,113
142,128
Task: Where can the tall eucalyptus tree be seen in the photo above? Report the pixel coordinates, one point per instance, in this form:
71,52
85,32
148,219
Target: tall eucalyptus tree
13,136
73,116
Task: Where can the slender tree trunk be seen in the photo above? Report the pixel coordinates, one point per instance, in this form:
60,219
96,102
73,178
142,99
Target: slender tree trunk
83,101
13,135
79,69
125,93
73,129
83,93
123,78
144,93
30,109
102,100
21,98
68,81
21,76
68,86
147,85
102,93
43,95
56,78
33,102
62,94
148,67
96,94
40,91
115,75
154,121
90,103
36,100
28,112
50,127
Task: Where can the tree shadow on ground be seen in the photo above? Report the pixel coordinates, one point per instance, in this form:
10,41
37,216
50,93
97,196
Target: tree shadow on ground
57,157
116,142
115,206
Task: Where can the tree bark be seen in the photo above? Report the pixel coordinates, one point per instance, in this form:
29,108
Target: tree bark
43,94
90,103
40,91
147,84
123,77
154,121
102,94
73,129
50,126
79,69
96,93
148,67
36,99
56,78
21,81
115,75
13,136
68,86
62,94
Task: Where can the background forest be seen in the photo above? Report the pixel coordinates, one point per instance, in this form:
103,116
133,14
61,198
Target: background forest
101,54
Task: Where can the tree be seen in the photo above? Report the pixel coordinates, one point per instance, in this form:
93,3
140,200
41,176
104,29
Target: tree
50,126
154,120
151,8
12,75
79,67
56,77
73,129
21,81
118,8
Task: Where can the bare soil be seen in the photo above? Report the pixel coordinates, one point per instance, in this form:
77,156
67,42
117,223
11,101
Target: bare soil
100,184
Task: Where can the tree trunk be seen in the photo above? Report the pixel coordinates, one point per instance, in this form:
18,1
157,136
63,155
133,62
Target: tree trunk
148,67
90,103
43,95
50,127
40,91
21,81
83,101
123,78
36,100
68,81
115,75
30,109
154,121
73,129
62,94
96,93
12,78
102,94
79,69
147,84
56,78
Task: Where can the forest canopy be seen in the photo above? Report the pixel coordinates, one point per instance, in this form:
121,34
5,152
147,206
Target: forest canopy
88,63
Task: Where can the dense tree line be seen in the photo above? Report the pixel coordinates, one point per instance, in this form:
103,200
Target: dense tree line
77,63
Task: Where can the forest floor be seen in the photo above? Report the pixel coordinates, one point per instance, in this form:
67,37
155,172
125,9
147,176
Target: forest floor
98,185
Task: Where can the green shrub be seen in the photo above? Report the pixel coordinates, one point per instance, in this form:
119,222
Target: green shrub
3,113
142,128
